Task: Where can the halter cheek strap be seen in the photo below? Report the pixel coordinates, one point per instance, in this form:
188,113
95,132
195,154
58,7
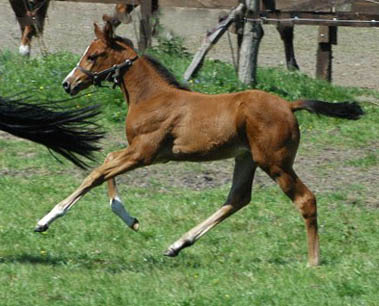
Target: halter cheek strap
113,74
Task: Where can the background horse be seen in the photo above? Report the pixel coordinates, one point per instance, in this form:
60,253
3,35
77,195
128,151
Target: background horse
69,132
168,122
30,15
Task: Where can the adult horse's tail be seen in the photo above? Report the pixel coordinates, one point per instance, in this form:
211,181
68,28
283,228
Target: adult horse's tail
344,110
69,132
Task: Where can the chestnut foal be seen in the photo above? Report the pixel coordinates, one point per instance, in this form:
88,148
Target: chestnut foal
167,122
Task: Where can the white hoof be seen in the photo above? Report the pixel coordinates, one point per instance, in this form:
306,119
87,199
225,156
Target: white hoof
24,50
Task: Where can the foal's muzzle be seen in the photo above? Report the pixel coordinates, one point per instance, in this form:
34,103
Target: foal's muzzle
66,86
73,88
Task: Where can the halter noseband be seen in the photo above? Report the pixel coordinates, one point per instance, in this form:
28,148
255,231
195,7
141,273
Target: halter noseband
113,74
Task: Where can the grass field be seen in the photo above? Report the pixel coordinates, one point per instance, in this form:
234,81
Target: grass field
257,257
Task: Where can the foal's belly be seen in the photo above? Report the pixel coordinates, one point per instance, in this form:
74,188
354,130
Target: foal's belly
176,153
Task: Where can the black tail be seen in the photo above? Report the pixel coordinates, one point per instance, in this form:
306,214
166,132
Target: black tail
68,132
345,110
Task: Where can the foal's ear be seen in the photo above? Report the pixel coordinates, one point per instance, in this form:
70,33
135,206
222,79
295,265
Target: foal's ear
98,32
108,32
106,35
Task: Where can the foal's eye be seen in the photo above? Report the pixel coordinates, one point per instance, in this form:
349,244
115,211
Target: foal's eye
92,57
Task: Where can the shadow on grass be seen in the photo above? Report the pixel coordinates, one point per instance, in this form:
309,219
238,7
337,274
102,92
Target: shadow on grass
32,259
143,263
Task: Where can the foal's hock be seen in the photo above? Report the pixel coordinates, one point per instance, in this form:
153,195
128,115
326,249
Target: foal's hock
167,122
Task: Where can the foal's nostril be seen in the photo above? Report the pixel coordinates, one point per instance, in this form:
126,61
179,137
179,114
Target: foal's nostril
66,86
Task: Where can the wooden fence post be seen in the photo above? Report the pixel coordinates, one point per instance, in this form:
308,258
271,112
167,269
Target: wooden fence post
145,26
239,26
326,38
252,35
211,39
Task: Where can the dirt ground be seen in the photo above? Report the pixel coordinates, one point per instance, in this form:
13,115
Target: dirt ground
356,63
69,27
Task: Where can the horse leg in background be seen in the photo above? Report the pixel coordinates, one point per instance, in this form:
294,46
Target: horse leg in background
125,160
38,14
26,40
115,201
286,34
304,201
24,21
239,196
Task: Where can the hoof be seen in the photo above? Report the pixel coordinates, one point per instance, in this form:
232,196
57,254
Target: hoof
135,225
171,253
24,50
41,228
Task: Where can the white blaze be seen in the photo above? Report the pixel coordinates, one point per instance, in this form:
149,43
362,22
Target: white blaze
73,70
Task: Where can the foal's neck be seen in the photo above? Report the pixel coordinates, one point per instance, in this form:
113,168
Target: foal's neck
142,82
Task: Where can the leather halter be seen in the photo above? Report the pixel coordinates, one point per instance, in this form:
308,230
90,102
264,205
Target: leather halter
113,74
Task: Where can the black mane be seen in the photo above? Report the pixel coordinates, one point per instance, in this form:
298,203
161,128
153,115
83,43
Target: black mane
165,73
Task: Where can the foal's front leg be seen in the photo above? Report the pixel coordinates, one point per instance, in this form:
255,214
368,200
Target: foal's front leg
118,207
115,201
239,196
125,160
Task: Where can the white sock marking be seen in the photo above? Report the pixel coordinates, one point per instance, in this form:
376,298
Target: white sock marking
24,50
119,209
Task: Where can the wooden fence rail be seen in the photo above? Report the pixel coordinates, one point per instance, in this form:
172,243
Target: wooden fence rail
207,4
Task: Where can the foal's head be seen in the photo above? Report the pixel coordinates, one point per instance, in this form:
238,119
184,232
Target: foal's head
105,51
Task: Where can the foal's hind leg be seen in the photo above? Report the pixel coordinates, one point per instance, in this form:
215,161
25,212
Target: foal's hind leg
305,201
115,202
239,196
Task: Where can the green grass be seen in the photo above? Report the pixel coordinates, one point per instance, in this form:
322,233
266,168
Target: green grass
257,257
